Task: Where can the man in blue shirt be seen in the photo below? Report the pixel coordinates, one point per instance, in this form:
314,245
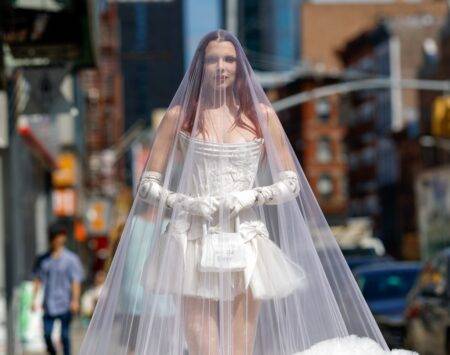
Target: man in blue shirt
60,272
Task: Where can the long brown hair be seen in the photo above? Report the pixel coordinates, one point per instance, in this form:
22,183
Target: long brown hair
241,87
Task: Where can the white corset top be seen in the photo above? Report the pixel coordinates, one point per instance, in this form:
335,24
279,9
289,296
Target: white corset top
220,168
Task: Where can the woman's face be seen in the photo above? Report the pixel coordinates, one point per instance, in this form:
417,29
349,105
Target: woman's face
220,64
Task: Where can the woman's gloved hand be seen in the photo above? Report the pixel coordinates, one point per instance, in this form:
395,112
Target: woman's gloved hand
237,201
285,189
202,206
150,190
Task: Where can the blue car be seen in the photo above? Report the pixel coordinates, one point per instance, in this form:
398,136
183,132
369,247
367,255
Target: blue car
357,257
385,287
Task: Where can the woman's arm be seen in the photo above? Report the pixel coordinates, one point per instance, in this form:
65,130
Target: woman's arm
276,140
165,138
151,188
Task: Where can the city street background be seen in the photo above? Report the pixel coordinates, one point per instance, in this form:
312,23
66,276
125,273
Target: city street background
362,89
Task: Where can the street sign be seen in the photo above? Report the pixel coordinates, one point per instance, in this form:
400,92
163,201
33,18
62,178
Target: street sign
66,173
440,123
64,202
98,217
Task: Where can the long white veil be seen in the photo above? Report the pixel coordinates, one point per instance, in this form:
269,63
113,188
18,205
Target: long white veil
225,250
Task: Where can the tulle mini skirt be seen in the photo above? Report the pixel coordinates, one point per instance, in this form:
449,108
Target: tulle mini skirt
173,267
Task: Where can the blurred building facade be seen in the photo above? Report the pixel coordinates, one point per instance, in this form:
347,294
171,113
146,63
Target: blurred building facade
372,153
45,44
101,102
151,55
383,136
435,106
432,185
317,133
323,155
383,143
269,32
328,25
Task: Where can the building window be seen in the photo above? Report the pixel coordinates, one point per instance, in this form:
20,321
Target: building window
325,186
323,109
324,153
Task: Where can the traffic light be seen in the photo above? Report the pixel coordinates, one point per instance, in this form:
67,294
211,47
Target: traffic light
440,122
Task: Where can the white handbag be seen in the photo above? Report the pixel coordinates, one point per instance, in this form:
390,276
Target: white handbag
223,251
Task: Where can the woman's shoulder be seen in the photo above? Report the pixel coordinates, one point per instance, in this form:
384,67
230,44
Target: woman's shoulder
266,110
174,112
169,123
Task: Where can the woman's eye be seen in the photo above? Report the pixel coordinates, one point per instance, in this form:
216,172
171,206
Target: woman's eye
210,60
230,59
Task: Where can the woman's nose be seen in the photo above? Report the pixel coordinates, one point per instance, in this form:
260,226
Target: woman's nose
220,64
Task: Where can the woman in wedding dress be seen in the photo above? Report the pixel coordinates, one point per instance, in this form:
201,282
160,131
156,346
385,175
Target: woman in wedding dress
247,263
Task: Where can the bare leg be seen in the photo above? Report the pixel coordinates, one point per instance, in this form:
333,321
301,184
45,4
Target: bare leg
201,328
245,321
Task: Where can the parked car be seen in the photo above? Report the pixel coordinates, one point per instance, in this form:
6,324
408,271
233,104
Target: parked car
357,257
428,308
385,287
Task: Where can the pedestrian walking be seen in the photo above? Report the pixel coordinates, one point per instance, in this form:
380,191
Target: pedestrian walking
59,271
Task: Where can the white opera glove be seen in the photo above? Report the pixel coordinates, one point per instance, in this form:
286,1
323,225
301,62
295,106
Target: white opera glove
237,201
203,206
150,190
285,189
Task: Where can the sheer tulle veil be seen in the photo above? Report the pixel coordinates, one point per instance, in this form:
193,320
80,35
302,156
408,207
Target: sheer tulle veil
225,250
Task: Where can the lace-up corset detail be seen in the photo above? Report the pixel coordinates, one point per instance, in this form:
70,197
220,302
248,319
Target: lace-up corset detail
220,168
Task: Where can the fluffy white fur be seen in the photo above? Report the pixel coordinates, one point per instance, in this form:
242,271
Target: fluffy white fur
351,345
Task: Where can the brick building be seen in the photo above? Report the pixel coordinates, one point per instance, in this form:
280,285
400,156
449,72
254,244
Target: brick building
103,102
316,132
327,27
383,127
323,152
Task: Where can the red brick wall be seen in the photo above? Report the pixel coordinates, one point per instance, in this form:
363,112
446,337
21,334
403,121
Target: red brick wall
327,27
312,129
